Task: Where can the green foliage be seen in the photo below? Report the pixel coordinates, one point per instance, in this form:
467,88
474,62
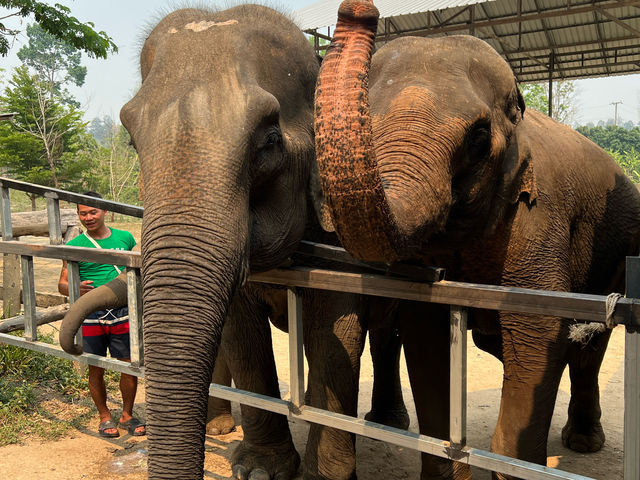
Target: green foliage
56,21
47,142
617,139
55,62
536,96
27,377
117,169
629,161
622,144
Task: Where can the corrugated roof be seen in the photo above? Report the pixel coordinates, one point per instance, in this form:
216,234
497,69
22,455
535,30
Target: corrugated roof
564,38
325,13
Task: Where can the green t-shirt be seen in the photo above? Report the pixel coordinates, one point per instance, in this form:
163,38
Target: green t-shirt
102,273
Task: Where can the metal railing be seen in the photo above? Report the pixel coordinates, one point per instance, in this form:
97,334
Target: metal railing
459,296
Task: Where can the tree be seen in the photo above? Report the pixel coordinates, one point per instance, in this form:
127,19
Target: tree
612,138
101,129
117,167
622,144
55,62
536,96
57,21
44,143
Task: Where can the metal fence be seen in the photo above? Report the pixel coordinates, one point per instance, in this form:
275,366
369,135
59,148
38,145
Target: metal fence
460,296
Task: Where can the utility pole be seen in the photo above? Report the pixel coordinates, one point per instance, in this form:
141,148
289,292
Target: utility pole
615,120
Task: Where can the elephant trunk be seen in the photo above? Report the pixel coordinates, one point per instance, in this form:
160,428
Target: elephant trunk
109,295
194,256
347,163
186,298
380,208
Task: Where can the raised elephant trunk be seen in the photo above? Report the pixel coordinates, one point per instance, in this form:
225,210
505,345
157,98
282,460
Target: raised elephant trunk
378,211
347,163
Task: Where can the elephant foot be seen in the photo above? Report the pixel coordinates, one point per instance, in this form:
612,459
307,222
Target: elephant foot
397,418
583,438
441,469
309,476
252,462
221,425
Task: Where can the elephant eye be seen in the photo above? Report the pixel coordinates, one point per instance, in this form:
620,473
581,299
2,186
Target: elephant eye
479,141
272,138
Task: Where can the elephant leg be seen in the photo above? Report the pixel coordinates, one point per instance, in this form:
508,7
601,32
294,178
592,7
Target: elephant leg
267,449
334,338
534,357
219,419
387,404
583,431
424,329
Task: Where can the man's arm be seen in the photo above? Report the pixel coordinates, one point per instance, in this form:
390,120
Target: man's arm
63,282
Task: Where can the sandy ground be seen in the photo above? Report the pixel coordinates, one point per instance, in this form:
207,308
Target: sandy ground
85,455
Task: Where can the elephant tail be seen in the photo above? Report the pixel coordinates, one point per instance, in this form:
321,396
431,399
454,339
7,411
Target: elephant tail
109,295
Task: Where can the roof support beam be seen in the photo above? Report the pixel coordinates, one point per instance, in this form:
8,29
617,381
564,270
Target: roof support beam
615,19
561,12
552,61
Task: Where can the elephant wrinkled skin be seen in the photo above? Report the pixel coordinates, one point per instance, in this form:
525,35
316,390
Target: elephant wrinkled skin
223,126
425,152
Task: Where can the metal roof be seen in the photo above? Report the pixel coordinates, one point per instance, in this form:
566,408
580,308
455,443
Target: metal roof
541,39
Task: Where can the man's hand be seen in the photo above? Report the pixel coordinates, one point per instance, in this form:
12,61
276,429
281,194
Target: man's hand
85,286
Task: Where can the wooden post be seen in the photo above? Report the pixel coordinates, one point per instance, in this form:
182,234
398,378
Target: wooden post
134,293
458,377
29,298
296,355
74,294
11,278
53,216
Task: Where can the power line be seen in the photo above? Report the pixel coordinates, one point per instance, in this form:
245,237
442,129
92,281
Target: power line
615,118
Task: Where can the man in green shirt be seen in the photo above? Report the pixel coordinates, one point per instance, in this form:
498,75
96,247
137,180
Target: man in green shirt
105,328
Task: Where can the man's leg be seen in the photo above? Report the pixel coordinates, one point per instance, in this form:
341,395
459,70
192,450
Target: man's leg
128,389
94,341
98,392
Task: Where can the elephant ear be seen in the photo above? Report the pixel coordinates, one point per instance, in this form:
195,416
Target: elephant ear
319,200
517,180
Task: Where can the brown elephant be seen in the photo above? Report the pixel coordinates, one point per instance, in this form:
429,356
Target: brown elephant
223,126
426,154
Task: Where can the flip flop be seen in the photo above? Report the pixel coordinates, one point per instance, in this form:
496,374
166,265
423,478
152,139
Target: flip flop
131,425
108,425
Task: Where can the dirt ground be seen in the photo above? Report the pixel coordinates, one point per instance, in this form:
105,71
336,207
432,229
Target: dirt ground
85,455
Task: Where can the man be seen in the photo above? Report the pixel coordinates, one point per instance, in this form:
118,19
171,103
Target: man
105,328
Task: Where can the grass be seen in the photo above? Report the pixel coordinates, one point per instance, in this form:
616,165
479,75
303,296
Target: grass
41,395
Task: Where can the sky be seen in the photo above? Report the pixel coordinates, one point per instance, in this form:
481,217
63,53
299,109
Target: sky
111,83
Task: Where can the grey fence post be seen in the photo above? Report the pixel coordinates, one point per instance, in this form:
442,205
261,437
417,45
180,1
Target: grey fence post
458,377
29,299
296,355
632,381
10,263
74,291
134,293
53,216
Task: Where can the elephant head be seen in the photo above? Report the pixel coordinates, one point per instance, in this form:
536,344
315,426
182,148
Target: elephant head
223,127
437,149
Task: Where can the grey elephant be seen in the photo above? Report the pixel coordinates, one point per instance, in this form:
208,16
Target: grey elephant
426,153
223,126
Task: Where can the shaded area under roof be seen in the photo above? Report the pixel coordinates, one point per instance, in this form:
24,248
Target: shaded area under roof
541,39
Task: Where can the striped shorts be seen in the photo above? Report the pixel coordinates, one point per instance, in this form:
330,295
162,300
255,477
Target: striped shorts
107,329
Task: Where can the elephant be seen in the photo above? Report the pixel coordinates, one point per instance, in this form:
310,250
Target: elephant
223,127
426,154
